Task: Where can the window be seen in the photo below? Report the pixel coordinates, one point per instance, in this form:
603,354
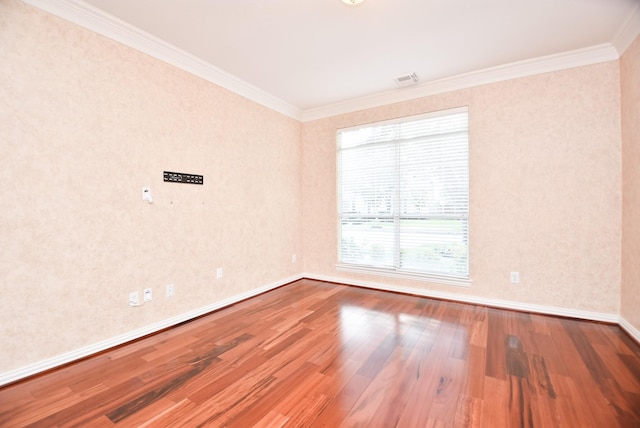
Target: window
403,197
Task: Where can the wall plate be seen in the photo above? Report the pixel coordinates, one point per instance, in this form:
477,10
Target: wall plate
181,177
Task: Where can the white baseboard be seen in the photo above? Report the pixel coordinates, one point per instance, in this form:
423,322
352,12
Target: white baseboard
32,369
631,330
497,303
50,363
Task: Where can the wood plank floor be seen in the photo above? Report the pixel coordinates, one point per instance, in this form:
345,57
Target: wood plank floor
314,354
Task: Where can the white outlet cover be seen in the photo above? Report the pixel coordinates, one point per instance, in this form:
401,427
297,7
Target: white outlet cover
147,295
170,290
134,298
219,273
515,277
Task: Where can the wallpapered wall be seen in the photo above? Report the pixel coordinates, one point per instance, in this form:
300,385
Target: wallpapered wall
85,123
545,188
630,79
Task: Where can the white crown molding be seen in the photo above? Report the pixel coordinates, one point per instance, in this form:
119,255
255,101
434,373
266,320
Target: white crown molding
629,31
94,19
496,303
86,351
577,58
98,21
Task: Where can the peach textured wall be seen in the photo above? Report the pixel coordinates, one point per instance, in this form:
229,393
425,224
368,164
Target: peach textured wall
545,188
630,89
84,124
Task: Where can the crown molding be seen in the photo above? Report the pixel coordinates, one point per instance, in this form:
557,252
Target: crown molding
629,31
577,58
95,20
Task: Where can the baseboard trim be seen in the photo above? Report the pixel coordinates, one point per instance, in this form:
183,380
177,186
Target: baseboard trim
68,357
629,329
496,303
51,363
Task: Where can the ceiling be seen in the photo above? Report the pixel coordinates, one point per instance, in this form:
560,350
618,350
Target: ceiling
312,55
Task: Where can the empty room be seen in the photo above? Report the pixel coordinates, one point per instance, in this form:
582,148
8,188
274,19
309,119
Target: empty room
320,213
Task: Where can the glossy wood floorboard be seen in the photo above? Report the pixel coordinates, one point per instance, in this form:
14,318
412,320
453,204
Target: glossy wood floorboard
314,354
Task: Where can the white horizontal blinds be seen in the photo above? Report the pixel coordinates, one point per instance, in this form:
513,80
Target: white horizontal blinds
404,194
367,193
434,195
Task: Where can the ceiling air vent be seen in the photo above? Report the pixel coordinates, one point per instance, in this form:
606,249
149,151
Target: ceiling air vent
407,80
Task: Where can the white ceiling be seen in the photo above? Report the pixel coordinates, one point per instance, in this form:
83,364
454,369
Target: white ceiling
310,55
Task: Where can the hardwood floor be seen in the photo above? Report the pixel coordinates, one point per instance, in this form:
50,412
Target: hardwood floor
314,354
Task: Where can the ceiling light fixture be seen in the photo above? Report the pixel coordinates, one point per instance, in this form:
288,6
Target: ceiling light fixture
352,2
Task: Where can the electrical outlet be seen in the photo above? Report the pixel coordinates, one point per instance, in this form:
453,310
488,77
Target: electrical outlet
170,292
147,295
515,277
219,273
293,258
134,298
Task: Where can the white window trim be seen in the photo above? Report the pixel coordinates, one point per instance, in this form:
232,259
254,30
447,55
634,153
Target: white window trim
445,112
404,274
462,281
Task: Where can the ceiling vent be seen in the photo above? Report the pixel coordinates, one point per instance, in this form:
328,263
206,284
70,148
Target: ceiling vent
407,80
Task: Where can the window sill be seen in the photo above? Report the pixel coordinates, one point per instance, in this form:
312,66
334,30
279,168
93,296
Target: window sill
436,279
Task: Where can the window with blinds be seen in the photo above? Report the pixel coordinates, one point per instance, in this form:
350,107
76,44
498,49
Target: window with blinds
403,196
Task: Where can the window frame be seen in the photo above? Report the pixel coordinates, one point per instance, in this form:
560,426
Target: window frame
445,278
